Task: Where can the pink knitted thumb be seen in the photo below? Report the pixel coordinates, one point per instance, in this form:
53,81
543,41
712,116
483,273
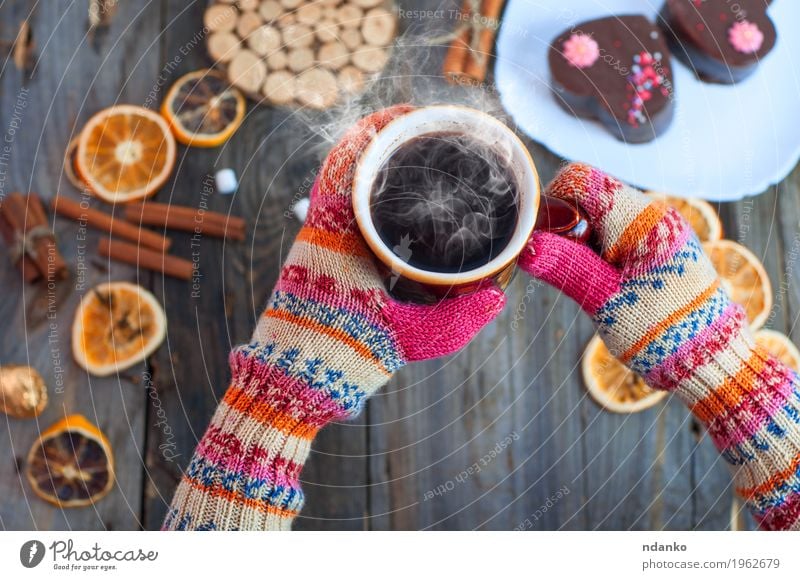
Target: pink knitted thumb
435,330
572,268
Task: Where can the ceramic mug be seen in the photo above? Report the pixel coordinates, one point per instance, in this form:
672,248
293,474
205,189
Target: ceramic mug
415,284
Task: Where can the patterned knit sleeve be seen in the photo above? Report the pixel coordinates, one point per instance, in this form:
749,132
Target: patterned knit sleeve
244,474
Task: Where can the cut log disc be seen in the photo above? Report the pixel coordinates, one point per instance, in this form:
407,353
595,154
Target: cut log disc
291,4
326,30
309,13
249,4
370,59
349,16
351,80
333,55
378,27
298,36
265,40
277,60
317,88
367,3
247,71
286,19
300,59
247,23
270,10
223,46
220,18
279,87
351,38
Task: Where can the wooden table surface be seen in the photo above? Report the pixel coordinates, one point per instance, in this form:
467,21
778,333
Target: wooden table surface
511,403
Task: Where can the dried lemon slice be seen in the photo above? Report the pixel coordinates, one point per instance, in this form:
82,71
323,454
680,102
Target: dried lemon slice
71,464
744,278
612,384
117,325
202,109
125,153
780,346
700,214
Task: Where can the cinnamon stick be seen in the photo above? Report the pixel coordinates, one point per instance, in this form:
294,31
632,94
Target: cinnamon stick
145,258
187,219
456,58
27,266
102,221
26,230
468,55
53,262
490,14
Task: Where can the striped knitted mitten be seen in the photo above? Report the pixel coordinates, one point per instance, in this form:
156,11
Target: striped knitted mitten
658,304
330,337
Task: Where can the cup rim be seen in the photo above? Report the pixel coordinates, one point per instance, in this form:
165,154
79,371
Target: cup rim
389,139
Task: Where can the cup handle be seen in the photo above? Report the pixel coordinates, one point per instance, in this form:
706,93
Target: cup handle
564,218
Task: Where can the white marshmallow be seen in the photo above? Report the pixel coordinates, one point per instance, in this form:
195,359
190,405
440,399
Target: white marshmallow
226,181
300,208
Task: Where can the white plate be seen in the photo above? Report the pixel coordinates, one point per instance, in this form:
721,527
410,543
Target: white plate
725,143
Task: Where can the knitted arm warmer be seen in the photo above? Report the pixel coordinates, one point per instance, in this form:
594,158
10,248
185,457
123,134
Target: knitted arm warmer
329,338
659,306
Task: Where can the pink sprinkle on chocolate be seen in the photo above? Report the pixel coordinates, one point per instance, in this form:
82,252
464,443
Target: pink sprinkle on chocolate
745,37
581,50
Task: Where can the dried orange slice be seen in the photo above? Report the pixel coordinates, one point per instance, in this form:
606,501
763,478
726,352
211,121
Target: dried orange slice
744,277
117,325
125,153
202,109
780,346
700,214
612,384
71,464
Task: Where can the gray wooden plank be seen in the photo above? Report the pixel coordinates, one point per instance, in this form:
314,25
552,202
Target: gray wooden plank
273,160
71,81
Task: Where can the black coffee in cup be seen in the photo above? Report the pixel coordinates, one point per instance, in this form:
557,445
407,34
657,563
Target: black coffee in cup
445,202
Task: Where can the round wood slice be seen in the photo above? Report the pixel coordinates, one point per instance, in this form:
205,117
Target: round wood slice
270,10
247,23
291,4
351,80
309,14
370,59
333,55
351,38
277,60
280,87
265,40
326,30
249,4
220,18
286,19
367,3
317,88
298,36
349,16
378,27
247,71
223,46
300,59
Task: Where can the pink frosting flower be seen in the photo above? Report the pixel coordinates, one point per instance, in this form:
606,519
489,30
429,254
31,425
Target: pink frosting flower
581,50
745,37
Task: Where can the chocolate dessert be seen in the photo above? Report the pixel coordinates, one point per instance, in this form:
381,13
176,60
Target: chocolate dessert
616,70
721,40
